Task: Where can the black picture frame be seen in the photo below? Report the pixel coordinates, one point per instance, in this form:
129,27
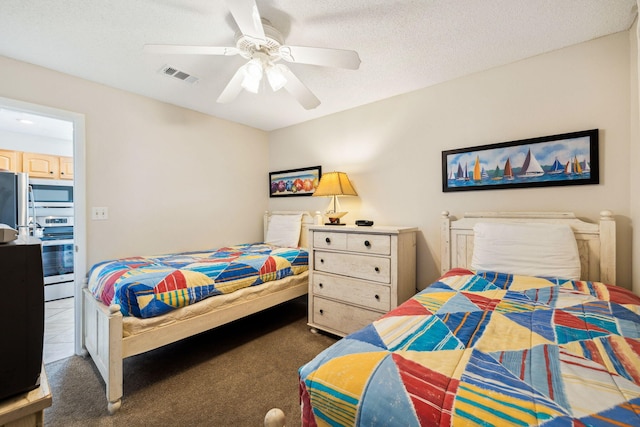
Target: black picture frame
294,182
533,162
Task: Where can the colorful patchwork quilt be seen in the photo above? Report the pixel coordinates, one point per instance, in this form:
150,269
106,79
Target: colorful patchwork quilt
151,286
486,349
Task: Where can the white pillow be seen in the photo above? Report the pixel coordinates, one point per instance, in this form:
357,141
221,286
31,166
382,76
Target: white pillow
284,230
548,250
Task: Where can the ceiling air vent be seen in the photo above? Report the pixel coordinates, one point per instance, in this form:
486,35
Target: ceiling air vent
180,75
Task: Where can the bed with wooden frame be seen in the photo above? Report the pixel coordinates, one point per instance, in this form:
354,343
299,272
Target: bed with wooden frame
472,346
109,337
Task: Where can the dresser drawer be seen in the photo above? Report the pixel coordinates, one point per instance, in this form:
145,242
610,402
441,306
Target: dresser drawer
341,317
377,297
376,269
369,243
329,240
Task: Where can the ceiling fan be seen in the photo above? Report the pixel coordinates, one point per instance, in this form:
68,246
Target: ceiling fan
263,46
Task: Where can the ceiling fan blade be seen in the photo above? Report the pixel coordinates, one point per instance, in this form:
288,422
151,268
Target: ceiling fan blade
246,15
233,88
299,91
321,56
190,50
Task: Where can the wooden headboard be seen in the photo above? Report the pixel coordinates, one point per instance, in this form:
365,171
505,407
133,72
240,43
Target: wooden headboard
596,242
307,220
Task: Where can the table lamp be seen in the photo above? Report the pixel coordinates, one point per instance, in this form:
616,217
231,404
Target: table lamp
334,184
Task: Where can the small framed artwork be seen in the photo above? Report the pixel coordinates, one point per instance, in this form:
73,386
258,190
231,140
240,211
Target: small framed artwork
565,159
294,182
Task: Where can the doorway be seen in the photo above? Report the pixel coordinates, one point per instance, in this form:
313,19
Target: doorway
33,125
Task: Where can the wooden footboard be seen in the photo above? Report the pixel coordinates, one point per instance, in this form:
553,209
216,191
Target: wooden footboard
159,336
102,338
102,332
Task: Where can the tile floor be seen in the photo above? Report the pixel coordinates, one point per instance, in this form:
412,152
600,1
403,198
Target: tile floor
58,329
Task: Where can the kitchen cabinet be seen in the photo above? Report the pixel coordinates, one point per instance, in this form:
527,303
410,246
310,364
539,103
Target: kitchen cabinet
11,160
357,274
39,165
66,167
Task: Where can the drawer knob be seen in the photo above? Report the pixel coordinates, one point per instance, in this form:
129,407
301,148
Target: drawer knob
321,311
328,240
320,285
321,261
367,243
377,270
377,297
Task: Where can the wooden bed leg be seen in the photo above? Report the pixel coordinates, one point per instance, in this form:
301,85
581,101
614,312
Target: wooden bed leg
114,377
274,418
113,407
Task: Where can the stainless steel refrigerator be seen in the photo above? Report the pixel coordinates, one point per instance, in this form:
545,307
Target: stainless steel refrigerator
14,201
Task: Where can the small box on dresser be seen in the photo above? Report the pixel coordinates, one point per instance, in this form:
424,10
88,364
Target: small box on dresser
357,274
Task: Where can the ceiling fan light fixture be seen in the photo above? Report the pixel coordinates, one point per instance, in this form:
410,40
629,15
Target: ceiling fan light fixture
250,84
277,80
254,68
252,76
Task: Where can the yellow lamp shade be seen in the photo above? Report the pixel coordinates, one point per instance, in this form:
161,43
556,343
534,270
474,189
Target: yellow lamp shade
335,184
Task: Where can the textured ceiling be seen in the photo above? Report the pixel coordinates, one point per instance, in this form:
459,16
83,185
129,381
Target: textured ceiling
404,45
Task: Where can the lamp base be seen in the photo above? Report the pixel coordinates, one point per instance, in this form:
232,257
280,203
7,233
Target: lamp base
334,218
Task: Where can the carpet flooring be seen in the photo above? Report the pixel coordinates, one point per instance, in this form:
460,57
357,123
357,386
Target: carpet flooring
230,376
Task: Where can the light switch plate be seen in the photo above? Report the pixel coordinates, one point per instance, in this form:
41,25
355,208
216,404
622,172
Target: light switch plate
99,213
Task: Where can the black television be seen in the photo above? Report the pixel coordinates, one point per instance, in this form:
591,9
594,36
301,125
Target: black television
21,316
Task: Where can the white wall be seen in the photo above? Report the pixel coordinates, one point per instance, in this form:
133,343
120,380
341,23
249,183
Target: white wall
392,149
173,179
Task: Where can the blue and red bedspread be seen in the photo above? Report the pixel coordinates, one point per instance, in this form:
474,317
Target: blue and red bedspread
486,350
151,286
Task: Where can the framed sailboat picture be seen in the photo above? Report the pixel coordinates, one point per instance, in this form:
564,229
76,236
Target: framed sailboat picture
565,159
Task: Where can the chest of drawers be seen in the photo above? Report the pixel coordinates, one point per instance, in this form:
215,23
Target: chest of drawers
357,274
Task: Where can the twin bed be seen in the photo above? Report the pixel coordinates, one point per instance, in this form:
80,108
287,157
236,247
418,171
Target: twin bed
160,289
494,348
